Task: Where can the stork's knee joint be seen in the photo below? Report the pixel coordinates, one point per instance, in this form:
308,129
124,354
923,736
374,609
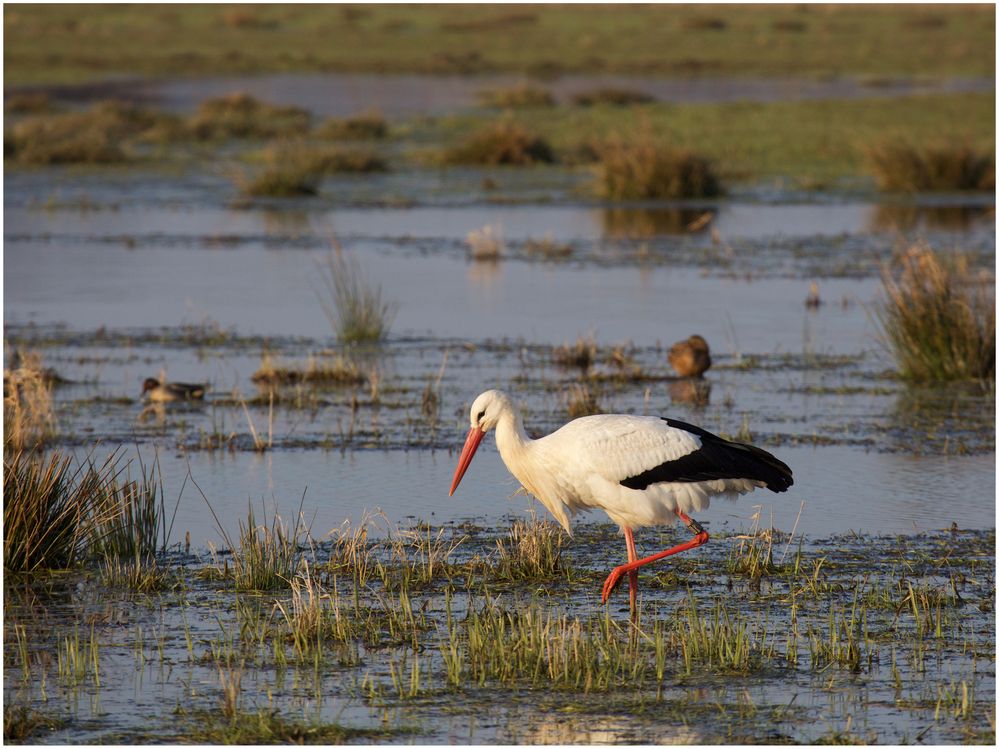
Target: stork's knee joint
697,528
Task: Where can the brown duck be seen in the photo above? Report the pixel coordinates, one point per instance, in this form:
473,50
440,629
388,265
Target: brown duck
171,392
690,358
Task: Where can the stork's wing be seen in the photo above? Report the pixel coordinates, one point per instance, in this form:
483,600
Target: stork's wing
618,447
637,451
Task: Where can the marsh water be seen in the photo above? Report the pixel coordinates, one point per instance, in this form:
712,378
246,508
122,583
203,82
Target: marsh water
115,276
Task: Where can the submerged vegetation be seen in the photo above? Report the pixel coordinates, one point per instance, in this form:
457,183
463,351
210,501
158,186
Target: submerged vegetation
938,317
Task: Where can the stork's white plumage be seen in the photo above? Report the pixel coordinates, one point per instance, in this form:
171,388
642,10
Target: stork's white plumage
641,470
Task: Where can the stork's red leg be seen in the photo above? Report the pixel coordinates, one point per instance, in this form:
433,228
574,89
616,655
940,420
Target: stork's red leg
632,566
629,540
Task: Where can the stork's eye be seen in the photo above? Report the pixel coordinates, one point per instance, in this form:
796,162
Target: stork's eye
480,416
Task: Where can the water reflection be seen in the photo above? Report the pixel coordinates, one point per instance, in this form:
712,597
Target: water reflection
485,273
951,419
646,223
692,392
906,217
533,728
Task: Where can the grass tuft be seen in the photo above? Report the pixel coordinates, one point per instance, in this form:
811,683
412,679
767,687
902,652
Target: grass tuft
615,97
267,556
21,723
548,248
295,168
903,167
369,125
327,370
642,168
239,115
504,143
50,509
532,550
581,402
522,96
938,318
29,418
485,244
581,354
96,136
355,309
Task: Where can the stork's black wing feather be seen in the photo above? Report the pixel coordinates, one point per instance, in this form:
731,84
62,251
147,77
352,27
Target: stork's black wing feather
716,458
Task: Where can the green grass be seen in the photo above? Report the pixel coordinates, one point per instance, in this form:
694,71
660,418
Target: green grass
813,141
938,318
58,43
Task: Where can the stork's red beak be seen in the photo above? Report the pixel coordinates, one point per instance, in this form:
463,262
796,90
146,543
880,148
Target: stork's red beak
472,441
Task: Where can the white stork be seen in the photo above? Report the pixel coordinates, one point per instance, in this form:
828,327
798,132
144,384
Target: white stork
641,470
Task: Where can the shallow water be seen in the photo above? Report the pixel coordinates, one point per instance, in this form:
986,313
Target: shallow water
340,94
842,489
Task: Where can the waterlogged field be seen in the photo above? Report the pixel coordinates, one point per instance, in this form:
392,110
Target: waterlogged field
315,583
468,634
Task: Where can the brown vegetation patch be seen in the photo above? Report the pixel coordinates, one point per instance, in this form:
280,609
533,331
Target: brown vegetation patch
502,143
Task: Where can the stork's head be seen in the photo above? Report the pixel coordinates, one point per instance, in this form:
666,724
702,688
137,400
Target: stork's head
486,409
483,416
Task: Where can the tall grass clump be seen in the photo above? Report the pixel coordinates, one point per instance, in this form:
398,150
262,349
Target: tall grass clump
240,115
95,136
267,557
50,509
531,550
29,418
899,166
504,143
643,168
295,168
130,530
284,181
354,308
938,319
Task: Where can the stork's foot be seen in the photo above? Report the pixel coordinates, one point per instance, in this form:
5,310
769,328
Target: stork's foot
612,580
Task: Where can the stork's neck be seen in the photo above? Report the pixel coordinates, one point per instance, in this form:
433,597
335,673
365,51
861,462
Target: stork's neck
512,441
